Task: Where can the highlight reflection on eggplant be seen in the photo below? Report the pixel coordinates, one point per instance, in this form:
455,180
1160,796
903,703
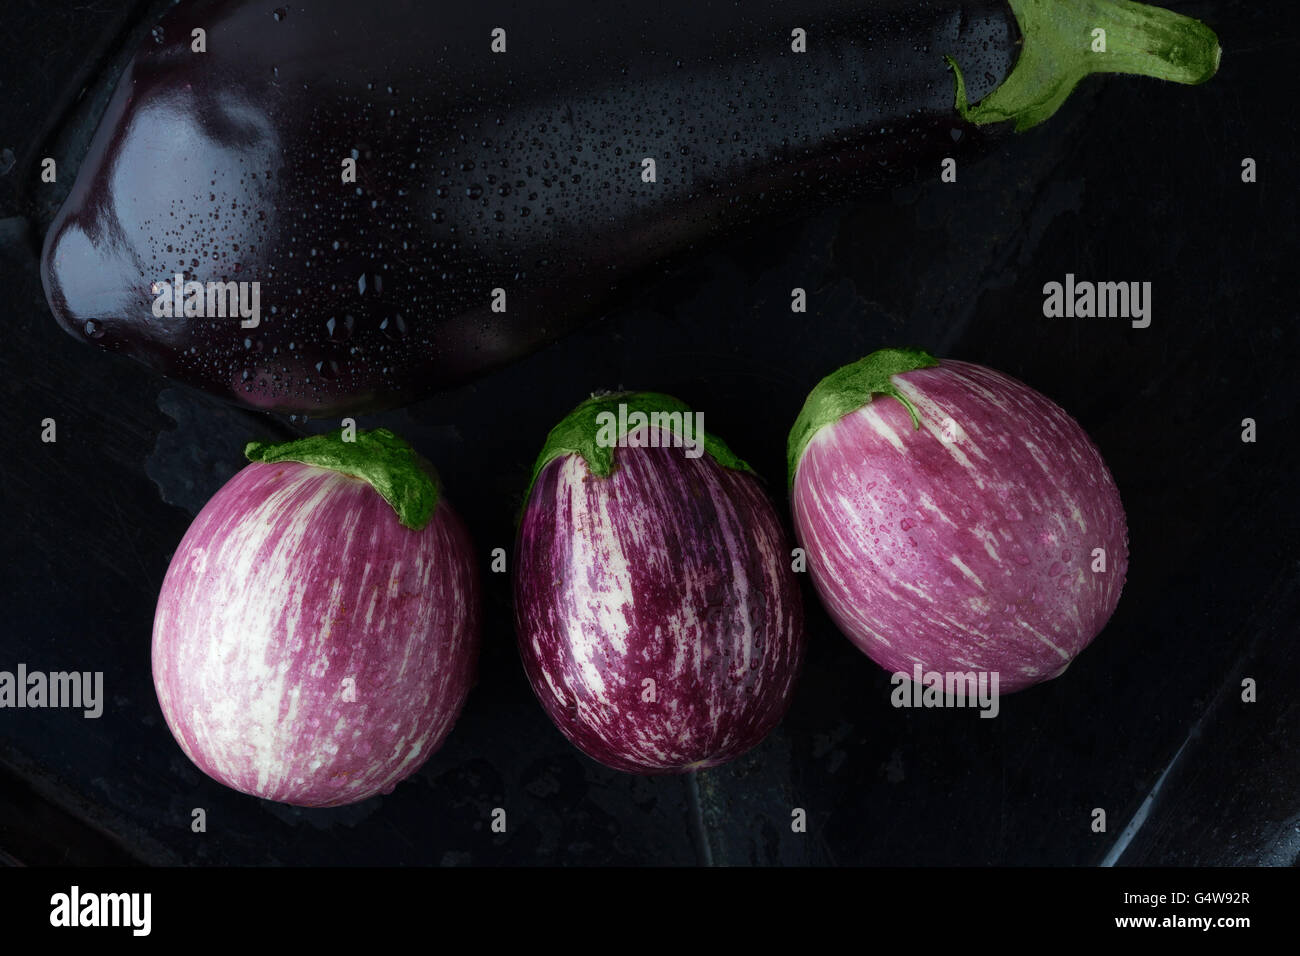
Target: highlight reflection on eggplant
519,171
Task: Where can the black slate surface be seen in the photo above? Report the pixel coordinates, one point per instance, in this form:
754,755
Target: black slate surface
1133,180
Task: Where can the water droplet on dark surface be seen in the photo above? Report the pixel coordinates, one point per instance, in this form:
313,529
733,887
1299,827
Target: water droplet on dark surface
394,326
339,330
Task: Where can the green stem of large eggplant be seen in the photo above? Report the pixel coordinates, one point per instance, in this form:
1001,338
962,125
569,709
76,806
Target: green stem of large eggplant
1061,48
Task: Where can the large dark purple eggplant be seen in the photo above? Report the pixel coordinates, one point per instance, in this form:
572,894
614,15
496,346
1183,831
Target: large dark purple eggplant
519,171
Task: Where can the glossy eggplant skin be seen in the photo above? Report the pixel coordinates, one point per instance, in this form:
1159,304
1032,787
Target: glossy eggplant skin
475,171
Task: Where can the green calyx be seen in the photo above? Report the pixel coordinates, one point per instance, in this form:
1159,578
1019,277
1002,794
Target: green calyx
1064,42
847,389
387,463
597,426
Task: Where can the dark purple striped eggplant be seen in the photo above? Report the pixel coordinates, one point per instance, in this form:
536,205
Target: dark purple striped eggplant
955,520
658,618
317,631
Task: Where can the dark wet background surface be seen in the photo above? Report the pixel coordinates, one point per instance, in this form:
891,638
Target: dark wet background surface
1133,180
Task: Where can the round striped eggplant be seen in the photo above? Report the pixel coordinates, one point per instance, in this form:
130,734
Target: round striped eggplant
317,631
965,523
658,618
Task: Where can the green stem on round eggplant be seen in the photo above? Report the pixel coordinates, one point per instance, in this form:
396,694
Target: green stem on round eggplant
847,389
597,426
387,463
1058,51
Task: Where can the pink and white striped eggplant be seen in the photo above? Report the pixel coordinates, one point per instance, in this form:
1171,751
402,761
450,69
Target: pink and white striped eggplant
658,617
962,523
317,631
